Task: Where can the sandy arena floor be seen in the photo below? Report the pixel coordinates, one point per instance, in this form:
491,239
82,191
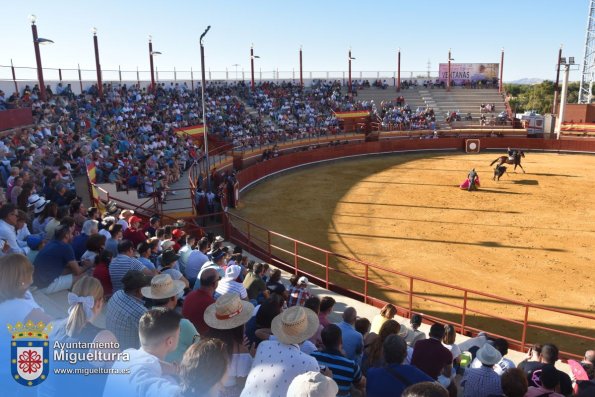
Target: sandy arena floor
529,237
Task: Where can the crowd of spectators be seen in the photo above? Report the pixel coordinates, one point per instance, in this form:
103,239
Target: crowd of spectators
194,317
398,115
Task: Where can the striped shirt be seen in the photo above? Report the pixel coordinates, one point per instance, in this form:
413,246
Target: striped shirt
297,296
119,266
227,285
345,371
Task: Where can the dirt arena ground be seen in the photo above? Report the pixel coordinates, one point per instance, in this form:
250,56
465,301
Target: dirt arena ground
529,237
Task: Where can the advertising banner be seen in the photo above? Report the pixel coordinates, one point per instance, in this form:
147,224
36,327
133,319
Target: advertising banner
462,73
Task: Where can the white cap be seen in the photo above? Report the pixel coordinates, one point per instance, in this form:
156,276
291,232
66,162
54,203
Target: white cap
303,280
312,384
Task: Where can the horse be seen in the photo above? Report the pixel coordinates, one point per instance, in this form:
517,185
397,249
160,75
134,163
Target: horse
516,160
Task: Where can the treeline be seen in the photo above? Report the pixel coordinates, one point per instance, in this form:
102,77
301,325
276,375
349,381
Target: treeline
538,97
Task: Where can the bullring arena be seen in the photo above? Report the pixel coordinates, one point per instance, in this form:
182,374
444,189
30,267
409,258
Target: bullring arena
526,238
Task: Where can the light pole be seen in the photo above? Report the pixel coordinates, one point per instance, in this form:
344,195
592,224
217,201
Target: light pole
151,54
350,58
501,71
204,109
399,70
560,119
36,42
301,70
556,85
252,56
97,64
448,78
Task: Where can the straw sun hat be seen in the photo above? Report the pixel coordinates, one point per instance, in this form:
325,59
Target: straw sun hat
295,325
228,312
162,287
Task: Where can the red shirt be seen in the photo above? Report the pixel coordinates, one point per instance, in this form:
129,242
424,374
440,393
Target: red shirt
194,308
136,236
101,273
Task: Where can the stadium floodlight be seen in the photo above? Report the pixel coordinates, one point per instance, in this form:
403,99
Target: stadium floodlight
43,41
155,53
32,18
571,60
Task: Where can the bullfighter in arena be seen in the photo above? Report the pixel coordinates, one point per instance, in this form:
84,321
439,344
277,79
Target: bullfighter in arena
473,179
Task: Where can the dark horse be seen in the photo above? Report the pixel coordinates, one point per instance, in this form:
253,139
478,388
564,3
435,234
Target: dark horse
516,159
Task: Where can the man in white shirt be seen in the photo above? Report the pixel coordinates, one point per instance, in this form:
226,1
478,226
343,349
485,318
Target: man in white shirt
150,375
8,220
231,283
279,361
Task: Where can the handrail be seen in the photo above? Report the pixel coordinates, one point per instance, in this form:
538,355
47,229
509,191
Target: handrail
265,246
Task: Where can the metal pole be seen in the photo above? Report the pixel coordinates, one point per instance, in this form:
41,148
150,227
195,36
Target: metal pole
192,78
14,78
252,65
563,101
42,93
151,64
60,74
556,86
448,78
301,69
80,78
501,71
204,109
349,82
98,66
399,71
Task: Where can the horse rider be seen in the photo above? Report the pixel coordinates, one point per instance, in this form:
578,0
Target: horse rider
472,179
511,153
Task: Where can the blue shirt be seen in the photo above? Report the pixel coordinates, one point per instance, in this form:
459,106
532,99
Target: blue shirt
50,262
379,380
345,371
79,245
353,342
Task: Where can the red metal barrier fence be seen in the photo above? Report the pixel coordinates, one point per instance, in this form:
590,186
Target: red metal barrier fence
469,310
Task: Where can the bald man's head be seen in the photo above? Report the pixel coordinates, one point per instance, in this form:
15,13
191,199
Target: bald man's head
590,356
209,278
349,315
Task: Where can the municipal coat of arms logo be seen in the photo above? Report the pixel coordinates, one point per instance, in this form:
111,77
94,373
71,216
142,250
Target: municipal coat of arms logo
29,348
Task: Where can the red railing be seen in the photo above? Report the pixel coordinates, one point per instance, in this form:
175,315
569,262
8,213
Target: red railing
353,278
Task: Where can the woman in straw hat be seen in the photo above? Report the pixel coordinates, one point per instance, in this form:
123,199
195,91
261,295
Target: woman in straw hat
227,318
164,292
281,360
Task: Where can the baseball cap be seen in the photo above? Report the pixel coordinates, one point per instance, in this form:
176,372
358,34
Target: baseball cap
303,280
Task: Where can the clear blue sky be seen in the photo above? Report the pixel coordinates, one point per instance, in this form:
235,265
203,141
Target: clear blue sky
531,32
